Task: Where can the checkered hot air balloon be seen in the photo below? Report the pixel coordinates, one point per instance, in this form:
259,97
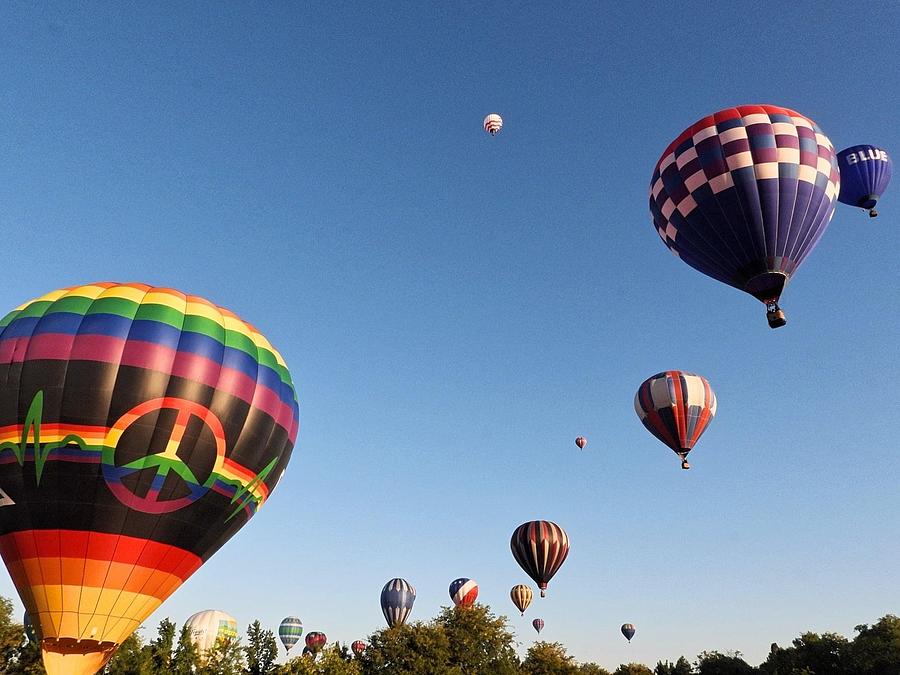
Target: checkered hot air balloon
676,407
521,596
358,648
493,123
628,631
397,598
463,592
540,547
743,196
290,631
865,174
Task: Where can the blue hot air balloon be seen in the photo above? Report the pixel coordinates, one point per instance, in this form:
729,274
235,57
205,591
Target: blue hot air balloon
744,195
397,598
865,174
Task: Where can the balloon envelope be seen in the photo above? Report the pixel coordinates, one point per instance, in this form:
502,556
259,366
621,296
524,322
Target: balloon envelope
676,407
581,441
210,626
140,428
358,647
521,596
397,598
290,631
463,592
628,630
865,173
744,194
540,547
538,624
493,123
315,641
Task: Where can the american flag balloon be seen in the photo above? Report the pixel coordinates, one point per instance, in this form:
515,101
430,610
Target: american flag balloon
493,123
397,598
676,407
743,196
540,547
463,592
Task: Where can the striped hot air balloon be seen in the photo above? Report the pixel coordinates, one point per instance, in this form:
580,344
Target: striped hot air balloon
581,441
140,429
521,596
676,407
493,123
290,631
540,547
744,195
397,598
463,592
315,641
865,174
628,631
538,625
358,648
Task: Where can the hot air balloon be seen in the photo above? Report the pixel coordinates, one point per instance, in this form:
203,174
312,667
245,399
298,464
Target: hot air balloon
210,626
308,653
540,547
290,630
628,631
315,641
521,596
676,407
358,648
140,428
538,624
397,598
463,592
865,174
744,195
493,123
581,441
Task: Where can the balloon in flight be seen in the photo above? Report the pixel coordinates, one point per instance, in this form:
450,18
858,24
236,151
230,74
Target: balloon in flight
358,648
308,653
581,441
493,123
744,195
290,631
865,174
628,631
521,596
540,547
676,407
397,598
315,641
463,592
140,429
538,624
210,626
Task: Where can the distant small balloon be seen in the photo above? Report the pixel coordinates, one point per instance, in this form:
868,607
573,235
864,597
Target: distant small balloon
493,123
538,625
628,630
581,441
865,174
290,631
358,648
521,596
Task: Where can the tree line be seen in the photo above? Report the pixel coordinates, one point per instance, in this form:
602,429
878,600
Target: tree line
469,641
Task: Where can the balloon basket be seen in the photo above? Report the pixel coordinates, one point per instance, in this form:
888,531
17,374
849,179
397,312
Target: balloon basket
776,317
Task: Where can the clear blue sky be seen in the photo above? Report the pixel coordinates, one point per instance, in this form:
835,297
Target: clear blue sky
456,308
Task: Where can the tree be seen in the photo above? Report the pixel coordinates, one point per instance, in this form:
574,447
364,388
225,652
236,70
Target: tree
633,669
225,657
186,658
298,665
416,649
876,650
261,650
332,661
592,669
131,658
681,667
548,658
714,663
826,654
161,647
480,642
12,634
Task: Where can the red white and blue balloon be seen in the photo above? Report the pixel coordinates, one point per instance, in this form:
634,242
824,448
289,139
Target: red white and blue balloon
463,592
397,598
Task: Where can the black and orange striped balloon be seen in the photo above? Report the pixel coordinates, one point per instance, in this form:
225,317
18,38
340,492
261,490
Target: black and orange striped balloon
540,547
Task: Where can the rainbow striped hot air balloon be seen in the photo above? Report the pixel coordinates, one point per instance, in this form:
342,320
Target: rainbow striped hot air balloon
463,592
540,547
290,631
140,428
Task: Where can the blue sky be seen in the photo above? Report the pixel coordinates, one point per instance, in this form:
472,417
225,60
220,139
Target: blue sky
456,308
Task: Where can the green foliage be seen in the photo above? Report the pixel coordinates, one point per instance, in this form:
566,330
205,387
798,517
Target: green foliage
632,669
261,650
225,657
131,658
548,658
714,663
185,658
876,650
681,667
12,634
161,647
480,643
416,649
592,669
